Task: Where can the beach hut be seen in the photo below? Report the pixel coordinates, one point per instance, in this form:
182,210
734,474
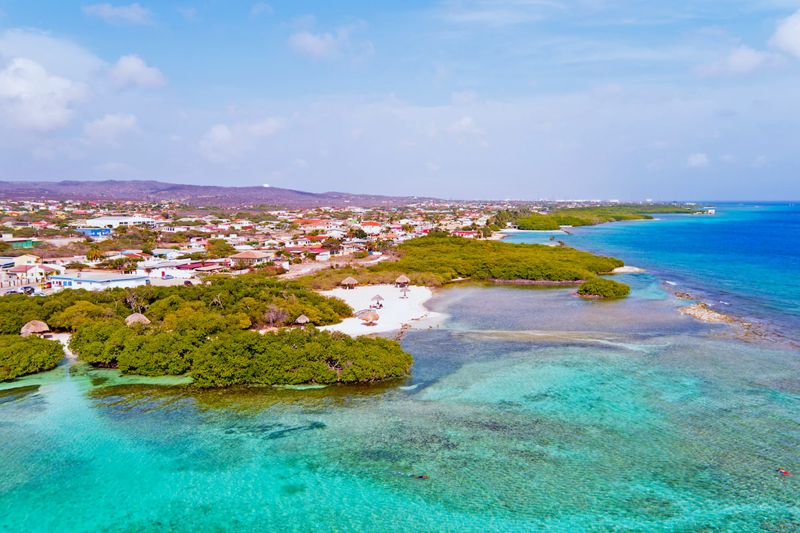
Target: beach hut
34,327
402,281
302,320
136,318
369,317
349,282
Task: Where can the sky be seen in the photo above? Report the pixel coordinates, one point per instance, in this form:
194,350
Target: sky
494,99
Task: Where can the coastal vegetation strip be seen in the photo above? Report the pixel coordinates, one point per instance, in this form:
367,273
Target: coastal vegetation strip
219,354
590,216
435,260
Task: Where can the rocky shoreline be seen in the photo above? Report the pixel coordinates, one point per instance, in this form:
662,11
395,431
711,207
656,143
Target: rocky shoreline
702,311
747,331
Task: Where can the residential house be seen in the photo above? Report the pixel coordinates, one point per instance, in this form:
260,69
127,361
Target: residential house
252,258
97,281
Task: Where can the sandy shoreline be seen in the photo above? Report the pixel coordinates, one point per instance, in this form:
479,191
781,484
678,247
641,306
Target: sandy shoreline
397,313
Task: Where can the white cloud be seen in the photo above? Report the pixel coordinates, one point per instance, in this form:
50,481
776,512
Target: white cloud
698,160
260,8
131,70
58,56
322,45
265,128
109,129
131,14
327,45
740,60
223,142
787,35
31,98
497,13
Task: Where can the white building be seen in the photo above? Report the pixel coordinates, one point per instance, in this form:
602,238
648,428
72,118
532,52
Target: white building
117,221
165,269
97,281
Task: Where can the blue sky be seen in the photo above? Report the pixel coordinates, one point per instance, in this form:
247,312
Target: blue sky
454,98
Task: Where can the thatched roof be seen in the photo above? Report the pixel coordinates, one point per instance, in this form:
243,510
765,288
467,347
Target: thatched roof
402,278
302,320
349,280
369,316
377,298
34,327
136,318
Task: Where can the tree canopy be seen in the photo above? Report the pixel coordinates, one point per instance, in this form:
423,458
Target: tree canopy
256,300
606,289
20,356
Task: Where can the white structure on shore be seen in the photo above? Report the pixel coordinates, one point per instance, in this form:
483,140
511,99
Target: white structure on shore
96,281
117,221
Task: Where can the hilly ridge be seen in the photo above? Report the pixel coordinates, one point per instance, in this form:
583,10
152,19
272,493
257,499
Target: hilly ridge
196,195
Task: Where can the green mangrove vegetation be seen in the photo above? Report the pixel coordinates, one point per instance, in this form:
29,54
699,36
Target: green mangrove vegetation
590,216
20,356
435,260
603,288
218,353
200,331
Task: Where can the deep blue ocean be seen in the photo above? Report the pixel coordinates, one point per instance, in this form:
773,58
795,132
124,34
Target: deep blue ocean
744,261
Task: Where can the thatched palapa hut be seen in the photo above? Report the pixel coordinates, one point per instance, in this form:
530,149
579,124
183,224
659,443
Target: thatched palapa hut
34,327
302,320
402,281
136,318
349,282
368,316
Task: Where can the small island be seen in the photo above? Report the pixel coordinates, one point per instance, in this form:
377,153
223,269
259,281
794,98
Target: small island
603,289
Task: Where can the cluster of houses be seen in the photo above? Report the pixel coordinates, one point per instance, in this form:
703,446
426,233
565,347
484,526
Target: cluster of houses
282,238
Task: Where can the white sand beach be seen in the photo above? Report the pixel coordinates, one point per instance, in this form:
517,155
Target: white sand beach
63,338
627,270
396,311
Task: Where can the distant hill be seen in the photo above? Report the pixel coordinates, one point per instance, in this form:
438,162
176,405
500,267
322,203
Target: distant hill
196,195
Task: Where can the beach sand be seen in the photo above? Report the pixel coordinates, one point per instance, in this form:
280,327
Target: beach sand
396,311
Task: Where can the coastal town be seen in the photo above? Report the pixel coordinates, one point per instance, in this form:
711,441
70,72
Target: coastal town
48,246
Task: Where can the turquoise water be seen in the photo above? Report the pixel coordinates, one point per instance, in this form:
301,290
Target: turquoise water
744,260
528,410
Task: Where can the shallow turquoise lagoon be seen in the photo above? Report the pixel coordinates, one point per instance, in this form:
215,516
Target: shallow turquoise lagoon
529,409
